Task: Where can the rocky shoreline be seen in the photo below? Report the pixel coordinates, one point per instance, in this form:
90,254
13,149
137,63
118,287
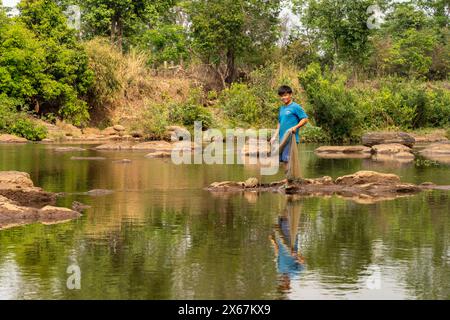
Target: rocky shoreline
23,203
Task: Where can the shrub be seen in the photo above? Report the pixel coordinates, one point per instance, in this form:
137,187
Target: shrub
334,108
344,111
154,121
191,111
41,63
240,104
312,134
18,123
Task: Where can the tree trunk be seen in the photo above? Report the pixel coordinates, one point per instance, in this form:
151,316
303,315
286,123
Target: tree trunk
231,67
117,31
113,31
120,34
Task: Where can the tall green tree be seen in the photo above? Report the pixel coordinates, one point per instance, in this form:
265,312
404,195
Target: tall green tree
47,67
340,24
228,32
122,19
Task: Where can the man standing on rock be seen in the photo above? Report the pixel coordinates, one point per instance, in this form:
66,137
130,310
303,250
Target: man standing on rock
291,118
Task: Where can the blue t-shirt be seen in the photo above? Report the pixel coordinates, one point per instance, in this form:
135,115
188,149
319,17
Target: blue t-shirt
289,117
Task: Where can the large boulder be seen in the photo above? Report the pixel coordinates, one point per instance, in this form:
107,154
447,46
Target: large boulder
108,131
9,138
119,128
18,187
15,180
435,136
393,148
13,214
338,152
376,138
368,177
177,133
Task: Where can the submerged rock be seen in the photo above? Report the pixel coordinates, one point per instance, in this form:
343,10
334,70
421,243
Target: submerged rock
99,192
376,138
159,155
363,186
439,152
69,149
123,161
88,158
116,146
344,152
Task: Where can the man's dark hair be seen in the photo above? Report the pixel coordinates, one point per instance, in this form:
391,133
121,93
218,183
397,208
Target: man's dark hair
285,90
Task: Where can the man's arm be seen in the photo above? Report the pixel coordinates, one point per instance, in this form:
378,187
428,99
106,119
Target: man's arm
301,124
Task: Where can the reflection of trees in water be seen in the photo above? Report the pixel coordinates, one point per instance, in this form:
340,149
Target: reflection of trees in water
173,240
342,237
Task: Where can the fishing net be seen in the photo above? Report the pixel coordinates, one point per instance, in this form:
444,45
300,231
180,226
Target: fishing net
293,170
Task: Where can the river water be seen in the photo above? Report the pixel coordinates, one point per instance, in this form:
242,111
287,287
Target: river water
160,235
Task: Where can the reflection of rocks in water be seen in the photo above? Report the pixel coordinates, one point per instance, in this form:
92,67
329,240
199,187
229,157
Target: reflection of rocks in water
399,158
23,203
363,186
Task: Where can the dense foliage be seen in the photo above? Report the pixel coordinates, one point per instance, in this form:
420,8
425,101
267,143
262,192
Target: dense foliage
352,68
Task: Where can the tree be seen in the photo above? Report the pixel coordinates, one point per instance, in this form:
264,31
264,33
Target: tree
48,69
340,24
415,44
228,32
121,19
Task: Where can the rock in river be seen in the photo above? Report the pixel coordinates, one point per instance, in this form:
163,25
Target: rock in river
363,186
344,152
21,202
438,152
375,138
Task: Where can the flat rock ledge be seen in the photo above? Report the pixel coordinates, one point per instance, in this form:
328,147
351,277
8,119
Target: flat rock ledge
381,152
23,203
363,187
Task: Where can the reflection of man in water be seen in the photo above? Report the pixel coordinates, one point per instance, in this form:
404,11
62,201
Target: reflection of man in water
290,262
